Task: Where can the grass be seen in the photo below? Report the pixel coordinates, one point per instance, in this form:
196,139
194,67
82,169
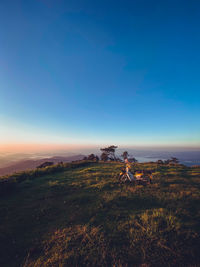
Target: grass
80,215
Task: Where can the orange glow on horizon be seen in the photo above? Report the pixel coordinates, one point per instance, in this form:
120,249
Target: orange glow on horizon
47,147
37,147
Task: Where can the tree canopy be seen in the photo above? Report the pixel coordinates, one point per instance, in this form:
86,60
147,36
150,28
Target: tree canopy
125,155
109,151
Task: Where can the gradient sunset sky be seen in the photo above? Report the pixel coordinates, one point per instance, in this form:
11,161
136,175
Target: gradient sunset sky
100,72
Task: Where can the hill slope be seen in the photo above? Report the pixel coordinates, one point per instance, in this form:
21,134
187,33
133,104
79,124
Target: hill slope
24,165
83,217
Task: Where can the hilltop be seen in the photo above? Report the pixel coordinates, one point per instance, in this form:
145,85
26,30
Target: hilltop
78,214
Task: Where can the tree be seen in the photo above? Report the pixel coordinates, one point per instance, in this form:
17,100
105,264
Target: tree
91,157
110,151
125,155
160,161
174,160
104,156
96,158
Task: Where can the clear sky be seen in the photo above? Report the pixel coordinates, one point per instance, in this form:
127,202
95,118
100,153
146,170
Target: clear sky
100,72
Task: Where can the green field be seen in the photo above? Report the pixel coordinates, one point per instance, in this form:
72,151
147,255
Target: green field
82,216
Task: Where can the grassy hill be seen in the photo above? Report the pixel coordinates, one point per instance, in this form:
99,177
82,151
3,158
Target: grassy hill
79,215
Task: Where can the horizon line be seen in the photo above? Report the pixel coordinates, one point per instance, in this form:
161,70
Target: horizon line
69,146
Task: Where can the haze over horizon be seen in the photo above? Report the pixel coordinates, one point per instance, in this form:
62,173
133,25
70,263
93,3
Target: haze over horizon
84,74
58,149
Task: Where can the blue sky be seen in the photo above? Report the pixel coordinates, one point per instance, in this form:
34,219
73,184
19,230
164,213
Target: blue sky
100,72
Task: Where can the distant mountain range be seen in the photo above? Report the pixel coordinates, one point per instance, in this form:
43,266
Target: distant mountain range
24,165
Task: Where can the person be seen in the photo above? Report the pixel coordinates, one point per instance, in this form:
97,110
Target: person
128,172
